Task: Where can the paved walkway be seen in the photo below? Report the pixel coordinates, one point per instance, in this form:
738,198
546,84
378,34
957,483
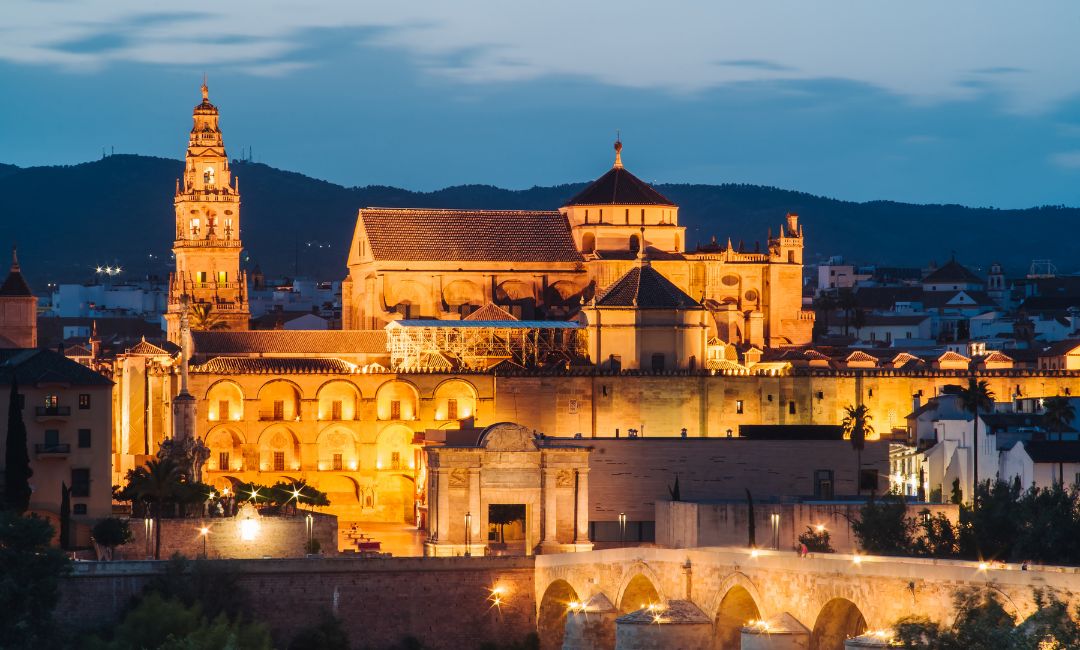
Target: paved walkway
398,539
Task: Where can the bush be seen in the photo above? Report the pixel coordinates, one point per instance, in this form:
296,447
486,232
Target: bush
205,583
112,532
312,546
328,634
30,572
817,541
167,624
883,527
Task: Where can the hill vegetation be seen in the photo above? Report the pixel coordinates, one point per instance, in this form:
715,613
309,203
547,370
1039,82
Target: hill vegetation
118,210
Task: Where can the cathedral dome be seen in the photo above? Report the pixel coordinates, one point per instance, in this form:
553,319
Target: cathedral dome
619,187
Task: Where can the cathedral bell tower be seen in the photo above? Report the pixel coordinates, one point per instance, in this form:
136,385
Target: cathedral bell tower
207,282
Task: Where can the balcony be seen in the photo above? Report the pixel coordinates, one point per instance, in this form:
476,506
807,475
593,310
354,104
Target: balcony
54,450
52,411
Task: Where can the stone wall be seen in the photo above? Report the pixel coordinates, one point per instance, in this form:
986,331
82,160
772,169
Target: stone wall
632,475
444,602
231,537
687,525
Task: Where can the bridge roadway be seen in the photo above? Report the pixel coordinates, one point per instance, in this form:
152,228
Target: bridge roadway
835,596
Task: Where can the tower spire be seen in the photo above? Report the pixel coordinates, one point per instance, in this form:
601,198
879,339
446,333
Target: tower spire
14,258
618,151
205,89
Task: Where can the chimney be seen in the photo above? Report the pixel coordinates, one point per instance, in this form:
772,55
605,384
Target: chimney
916,401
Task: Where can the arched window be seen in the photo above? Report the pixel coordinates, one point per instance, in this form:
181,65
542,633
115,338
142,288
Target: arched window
635,244
588,243
194,227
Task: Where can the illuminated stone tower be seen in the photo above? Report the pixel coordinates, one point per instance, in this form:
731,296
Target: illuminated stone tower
207,246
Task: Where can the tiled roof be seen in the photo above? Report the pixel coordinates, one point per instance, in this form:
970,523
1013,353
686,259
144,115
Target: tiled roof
77,351
468,235
33,366
490,311
953,271
859,355
1060,348
145,348
949,355
480,324
619,187
644,287
263,366
15,285
290,342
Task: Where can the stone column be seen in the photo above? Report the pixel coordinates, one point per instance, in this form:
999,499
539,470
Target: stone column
474,505
550,520
582,498
442,506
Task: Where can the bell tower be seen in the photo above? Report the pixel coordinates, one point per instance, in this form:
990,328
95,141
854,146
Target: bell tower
207,281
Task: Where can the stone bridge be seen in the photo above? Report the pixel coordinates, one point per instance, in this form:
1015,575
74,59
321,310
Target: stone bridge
705,597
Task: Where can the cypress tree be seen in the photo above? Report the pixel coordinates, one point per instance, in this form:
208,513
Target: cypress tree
17,470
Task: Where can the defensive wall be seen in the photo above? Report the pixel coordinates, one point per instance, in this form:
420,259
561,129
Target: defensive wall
444,602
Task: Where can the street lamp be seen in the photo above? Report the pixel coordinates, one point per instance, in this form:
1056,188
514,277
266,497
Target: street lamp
468,534
205,532
622,527
309,523
729,432
775,520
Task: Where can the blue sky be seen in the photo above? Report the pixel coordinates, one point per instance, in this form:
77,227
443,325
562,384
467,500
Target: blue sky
974,102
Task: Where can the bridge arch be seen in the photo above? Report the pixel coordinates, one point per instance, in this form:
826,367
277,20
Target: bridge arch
638,589
737,606
551,617
839,620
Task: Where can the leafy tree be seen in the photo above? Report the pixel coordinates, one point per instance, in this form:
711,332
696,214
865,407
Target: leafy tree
976,398
17,470
30,572
165,624
1047,525
817,541
883,527
112,532
938,537
751,531
502,514
155,484
1058,413
296,494
65,515
857,427
209,584
203,318
956,496
674,492
327,634
991,529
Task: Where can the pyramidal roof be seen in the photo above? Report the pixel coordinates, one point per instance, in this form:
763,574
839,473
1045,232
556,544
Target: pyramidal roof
490,311
619,187
644,287
15,284
953,271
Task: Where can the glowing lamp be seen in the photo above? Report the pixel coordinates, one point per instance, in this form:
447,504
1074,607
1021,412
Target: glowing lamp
204,531
754,553
820,528
249,529
983,566
857,559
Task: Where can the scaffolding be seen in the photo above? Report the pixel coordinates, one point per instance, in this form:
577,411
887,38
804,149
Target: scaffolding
434,345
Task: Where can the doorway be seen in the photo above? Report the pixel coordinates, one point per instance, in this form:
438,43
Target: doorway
506,528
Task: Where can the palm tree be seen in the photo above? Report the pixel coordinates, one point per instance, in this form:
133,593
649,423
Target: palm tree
975,398
857,427
203,318
155,483
1058,414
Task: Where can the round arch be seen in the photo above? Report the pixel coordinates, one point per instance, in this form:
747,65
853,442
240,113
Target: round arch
338,448
737,607
839,620
394,448
455,399
551,615
339,399
279,399
638,589
224,401
340,489
588,243
226,445
273,383
279,449
404,393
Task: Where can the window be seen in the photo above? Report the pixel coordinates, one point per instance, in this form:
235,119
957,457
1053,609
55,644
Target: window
222,277
628,215
223,409
84,401
395,460
223,461
200,277
823,484
52,437
739,406
635,244
80,482
279,461
657,362
79,509
451,409
338,464
395,410
791,408
208,176
52,401
279,410
84,438
335,410
868,480
194,227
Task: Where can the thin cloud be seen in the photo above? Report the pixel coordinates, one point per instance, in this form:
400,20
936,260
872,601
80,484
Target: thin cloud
1066,159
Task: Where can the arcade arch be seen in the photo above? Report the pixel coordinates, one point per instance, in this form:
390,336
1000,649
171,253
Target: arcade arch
394,450
225,402
839,620
279,450
397,400
338,449
279,400
551,615
226,450
338,400
638,593
736,609
455,399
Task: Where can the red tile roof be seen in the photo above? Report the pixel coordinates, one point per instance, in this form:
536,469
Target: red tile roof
644,287
619,187
273,366
468,235
490,311
290,342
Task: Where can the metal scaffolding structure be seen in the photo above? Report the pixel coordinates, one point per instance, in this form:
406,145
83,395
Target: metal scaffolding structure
432,345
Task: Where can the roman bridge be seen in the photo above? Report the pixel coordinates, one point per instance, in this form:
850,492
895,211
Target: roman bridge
703,597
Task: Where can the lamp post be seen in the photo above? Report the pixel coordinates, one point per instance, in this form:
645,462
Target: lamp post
468,534
204,532
622,528
309,523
